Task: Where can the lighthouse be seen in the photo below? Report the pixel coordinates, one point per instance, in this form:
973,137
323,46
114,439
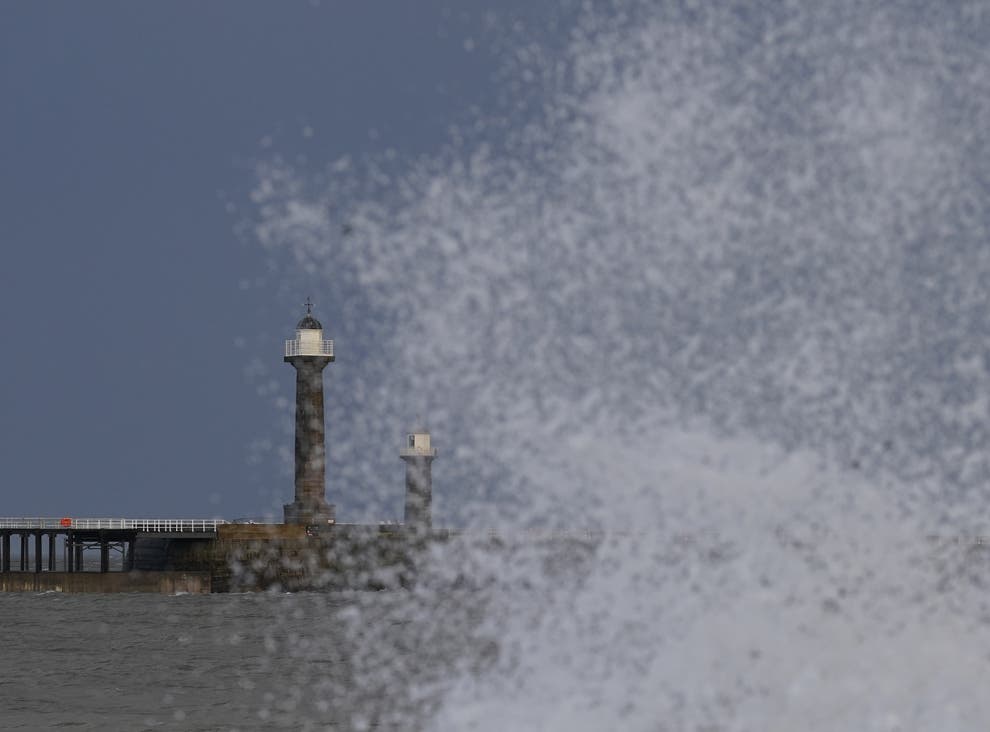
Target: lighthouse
418,456
309,354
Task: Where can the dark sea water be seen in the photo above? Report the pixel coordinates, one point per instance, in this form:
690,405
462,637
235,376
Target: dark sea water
186,662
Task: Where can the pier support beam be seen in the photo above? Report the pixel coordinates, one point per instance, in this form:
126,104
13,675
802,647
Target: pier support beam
37,553
51,552
24,552
5,552
129,555
78,556
104,554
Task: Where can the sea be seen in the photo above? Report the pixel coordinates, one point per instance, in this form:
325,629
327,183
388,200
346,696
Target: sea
213,663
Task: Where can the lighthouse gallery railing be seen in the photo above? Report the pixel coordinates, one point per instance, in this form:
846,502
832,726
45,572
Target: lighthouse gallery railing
305,348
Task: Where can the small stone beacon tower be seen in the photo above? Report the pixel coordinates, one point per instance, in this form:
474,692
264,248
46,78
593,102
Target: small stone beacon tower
418,456
309,354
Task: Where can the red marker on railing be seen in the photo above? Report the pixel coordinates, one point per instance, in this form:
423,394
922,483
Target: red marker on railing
66,522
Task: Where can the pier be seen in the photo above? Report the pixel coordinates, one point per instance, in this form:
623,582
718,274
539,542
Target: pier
60,544
198,555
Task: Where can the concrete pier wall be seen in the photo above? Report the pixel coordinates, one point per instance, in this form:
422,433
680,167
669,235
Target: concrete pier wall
110,582
286,557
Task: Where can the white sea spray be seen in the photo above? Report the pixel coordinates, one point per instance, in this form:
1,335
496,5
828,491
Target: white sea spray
717,290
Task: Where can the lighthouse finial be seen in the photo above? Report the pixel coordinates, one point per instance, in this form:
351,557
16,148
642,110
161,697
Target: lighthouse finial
309,305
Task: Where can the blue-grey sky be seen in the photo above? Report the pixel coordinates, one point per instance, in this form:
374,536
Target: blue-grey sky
131,308
767,218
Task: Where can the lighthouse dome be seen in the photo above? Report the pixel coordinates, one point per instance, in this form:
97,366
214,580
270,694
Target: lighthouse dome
309,323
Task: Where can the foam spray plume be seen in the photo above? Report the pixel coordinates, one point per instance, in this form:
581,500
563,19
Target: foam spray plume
717,289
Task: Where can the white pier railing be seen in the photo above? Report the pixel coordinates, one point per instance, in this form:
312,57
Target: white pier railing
149,525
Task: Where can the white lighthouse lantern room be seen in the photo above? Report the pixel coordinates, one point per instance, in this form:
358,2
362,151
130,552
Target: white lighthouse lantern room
309,340
417,444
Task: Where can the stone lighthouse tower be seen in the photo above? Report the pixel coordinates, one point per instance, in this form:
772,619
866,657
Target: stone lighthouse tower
418,456
309,354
